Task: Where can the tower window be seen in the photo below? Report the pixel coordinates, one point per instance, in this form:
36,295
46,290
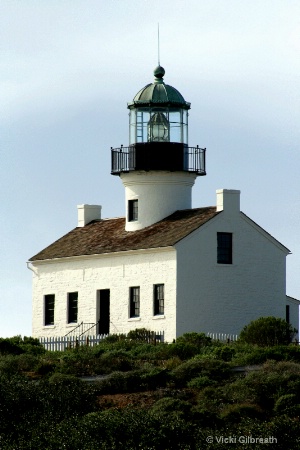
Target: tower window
159,299
132,210
72,307
134,307
224,248
49,309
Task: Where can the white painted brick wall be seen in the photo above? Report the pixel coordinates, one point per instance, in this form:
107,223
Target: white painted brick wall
115,272
223,298
294,313
159,194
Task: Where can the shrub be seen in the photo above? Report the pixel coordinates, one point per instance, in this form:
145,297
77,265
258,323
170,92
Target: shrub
141,335
265,386
236,413
268,331
201,382
111,361
112,338
197,339
8,347
154,378
17,345
171,407
8,365
224,352
214,369
64,380
45,367
133,381
183,350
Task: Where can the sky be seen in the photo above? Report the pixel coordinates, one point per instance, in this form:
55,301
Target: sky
68,69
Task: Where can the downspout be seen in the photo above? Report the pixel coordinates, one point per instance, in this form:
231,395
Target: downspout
30,267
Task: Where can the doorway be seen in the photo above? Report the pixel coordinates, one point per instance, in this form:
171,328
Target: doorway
103,311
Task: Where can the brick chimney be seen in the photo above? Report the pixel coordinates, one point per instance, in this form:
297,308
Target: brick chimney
87,213
228,200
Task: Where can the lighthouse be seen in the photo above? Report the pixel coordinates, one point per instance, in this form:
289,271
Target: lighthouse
165,266
158,169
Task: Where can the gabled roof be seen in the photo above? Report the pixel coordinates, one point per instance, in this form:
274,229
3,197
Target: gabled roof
109,235
292,300
265,233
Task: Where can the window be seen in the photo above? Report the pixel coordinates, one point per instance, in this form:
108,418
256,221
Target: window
134,302
49,309
132,210
287,313
159,299
72,307
224,248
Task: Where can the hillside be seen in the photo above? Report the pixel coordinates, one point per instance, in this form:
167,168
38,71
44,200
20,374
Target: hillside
192,394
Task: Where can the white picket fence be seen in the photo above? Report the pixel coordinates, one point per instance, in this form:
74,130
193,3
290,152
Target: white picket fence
223,337
61,343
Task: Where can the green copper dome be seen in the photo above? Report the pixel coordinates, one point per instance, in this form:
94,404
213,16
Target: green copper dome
159,93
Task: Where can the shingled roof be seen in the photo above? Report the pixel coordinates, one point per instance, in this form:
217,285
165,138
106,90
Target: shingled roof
109,235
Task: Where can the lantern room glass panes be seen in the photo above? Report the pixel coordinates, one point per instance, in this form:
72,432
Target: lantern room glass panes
148,124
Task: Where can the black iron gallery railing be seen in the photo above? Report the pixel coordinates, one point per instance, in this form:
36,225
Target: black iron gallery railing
165,156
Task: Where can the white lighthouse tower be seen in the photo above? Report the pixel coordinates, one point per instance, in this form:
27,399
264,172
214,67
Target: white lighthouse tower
158,169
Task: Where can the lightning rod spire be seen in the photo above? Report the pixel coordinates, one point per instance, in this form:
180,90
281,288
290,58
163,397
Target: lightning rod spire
158,50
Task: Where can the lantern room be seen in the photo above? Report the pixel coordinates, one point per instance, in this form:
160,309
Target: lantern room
158,113
158,132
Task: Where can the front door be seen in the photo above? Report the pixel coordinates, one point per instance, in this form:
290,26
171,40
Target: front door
103,311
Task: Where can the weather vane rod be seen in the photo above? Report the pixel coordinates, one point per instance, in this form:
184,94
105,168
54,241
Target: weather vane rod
158,44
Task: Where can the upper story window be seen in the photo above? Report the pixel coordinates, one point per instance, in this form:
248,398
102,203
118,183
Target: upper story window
49,309
224,248
72,307
134,305
132,210
159,299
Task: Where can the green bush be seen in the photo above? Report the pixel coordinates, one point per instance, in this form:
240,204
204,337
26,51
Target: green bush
123,429
183,350
197,339
287,404
224,352
9,365
17,345
265,386
134,381
214,369
201,382
154,378
113,338
171,407
141,335
237,412
111,361
149,352
64,380
45,367
268,331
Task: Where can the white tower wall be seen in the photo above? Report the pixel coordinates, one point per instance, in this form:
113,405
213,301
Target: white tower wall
159,194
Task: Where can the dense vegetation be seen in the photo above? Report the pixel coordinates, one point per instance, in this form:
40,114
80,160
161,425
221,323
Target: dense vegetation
164,396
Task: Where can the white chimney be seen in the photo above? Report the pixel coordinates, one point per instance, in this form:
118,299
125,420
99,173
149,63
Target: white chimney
87,213
228,200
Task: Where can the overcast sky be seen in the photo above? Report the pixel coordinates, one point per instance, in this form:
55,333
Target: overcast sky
68,69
